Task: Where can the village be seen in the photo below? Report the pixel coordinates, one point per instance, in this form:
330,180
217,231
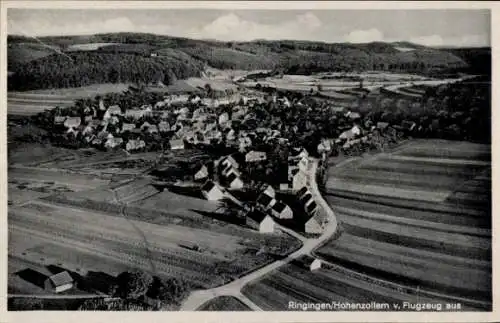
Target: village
260,166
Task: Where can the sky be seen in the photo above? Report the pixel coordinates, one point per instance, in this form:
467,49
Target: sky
431,27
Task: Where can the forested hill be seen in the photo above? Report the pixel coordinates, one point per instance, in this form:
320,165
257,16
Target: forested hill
69,61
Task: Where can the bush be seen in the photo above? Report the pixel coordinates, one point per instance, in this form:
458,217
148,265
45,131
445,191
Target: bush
133,285
171,290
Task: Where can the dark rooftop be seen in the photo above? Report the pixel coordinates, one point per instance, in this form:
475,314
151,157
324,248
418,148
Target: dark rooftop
208,186
264,199
279,206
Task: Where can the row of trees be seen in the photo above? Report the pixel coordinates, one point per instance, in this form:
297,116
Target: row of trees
460,111
137,289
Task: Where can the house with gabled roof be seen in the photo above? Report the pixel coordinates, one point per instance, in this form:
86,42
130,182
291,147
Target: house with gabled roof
269,190
59,119
261,221
233,180
202,173
72,122
316,223
212,191
255,156
176,144
59,282
281,211
265,201
113,143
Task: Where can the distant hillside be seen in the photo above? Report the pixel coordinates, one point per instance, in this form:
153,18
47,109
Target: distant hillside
129,57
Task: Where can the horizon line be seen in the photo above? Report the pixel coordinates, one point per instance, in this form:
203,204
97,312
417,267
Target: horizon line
253,40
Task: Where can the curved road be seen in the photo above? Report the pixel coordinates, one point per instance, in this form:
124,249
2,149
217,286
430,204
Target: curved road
199,297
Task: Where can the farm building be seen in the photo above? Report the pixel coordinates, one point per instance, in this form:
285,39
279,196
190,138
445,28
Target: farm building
176,144
265,201
59,282
316,224
59,119
229,162
113,143
269,190
211,191
353,115
202,173
114,110
134,114
72,122
223,118
281,211
234,181
153,129
135,145
297,179
255,156
347,135
163,126
312,263
261,221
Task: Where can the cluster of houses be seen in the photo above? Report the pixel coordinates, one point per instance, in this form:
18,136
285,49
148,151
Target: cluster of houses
181,119
223,176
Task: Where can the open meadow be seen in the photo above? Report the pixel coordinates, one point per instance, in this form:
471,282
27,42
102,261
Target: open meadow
94,227
439,238
414,224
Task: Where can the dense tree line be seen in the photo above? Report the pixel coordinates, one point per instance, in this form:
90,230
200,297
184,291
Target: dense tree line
85,68
460,111
129,60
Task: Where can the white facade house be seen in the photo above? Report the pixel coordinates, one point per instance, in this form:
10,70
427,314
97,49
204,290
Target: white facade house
255,156
202,173
269,190
316,224
266,225
113,143
281,211
212,191
234,181
176,144
72,122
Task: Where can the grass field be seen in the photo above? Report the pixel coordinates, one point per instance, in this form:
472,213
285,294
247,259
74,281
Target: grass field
32,102
396,236
444,246
224,303
87,231
82,241
294,283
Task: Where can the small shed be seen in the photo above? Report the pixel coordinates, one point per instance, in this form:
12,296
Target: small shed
59,282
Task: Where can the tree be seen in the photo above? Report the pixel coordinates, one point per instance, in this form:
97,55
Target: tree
133,284
171,290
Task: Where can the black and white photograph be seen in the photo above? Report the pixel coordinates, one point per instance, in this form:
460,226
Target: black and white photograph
226,159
